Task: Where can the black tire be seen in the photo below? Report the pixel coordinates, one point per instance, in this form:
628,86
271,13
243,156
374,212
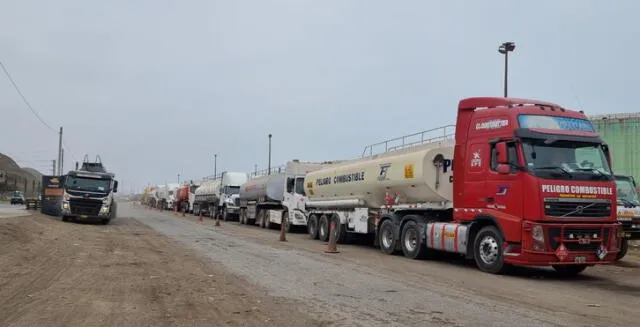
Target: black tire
387,237
65,219
569,270
341,230
105,221
261,218
323,228
225,214
312,227
624,247
488,251
411,241
243,216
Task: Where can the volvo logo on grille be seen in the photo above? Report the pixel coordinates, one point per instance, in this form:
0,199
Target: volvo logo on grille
579,209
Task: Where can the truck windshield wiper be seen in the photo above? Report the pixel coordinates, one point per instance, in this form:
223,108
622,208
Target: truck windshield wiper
627,202
558,168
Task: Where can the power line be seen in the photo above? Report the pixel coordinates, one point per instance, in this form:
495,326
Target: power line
23,97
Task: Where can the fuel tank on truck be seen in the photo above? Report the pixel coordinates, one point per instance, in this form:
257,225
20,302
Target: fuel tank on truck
208,191
417,174
269,187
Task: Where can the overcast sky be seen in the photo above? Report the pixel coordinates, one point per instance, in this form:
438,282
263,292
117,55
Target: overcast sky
156,87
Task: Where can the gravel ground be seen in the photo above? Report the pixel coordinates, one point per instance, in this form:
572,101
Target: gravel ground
123,274
361,287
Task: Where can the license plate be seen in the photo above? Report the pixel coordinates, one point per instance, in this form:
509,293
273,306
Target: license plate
580,259
84,216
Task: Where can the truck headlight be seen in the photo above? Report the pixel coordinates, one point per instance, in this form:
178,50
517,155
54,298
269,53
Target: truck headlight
105,209
65,205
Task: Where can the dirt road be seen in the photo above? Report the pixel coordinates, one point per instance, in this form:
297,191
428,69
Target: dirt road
362,287
125,274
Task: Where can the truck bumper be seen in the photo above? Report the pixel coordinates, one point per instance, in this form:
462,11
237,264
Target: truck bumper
630,229
566,244
233,209
298,219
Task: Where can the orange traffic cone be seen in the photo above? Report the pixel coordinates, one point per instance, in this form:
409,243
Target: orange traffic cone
184,212
200,218
332,247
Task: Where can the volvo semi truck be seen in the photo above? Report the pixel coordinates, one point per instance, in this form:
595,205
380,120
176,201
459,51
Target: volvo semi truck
88,193
513,182
628,211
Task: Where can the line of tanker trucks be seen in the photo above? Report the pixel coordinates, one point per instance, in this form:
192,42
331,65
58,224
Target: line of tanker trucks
531,185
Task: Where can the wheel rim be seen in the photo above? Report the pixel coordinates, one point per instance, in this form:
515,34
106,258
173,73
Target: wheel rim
387,238
489,250
312,226
323,228
410,240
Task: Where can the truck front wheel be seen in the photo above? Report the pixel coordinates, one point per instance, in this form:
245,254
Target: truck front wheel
624,247
487,250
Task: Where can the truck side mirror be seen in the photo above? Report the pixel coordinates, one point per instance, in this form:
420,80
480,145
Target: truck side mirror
501,153
504,169
115,186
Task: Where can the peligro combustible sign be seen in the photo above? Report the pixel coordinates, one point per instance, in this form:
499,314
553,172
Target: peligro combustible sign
576,189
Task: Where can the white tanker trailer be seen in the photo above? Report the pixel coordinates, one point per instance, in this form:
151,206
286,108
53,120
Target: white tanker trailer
268,200
356,193
206,196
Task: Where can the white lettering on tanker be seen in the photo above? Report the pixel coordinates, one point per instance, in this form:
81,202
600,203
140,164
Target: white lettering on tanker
346,178
575,189
492,124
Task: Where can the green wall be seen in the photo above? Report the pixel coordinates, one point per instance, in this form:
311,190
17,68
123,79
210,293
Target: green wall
622,134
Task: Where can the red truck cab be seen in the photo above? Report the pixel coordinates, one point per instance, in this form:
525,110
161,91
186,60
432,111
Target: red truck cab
538,174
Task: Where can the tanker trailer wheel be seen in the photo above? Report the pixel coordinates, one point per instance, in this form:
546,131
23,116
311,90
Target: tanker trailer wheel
323,228
387,238
340,232
624,247
412,241
487,250
312,227
242,217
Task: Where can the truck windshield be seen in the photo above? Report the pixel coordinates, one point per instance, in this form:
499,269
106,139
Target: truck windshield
88,184
566,160
300,185
626,192
232,190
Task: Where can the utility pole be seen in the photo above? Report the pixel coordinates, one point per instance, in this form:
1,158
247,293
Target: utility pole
255,170
269,169
504,49
62,162
215,165
178,179
53,171
59,152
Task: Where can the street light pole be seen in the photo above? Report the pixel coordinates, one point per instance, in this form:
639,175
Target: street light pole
178,179
269,167
215,165
504,49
